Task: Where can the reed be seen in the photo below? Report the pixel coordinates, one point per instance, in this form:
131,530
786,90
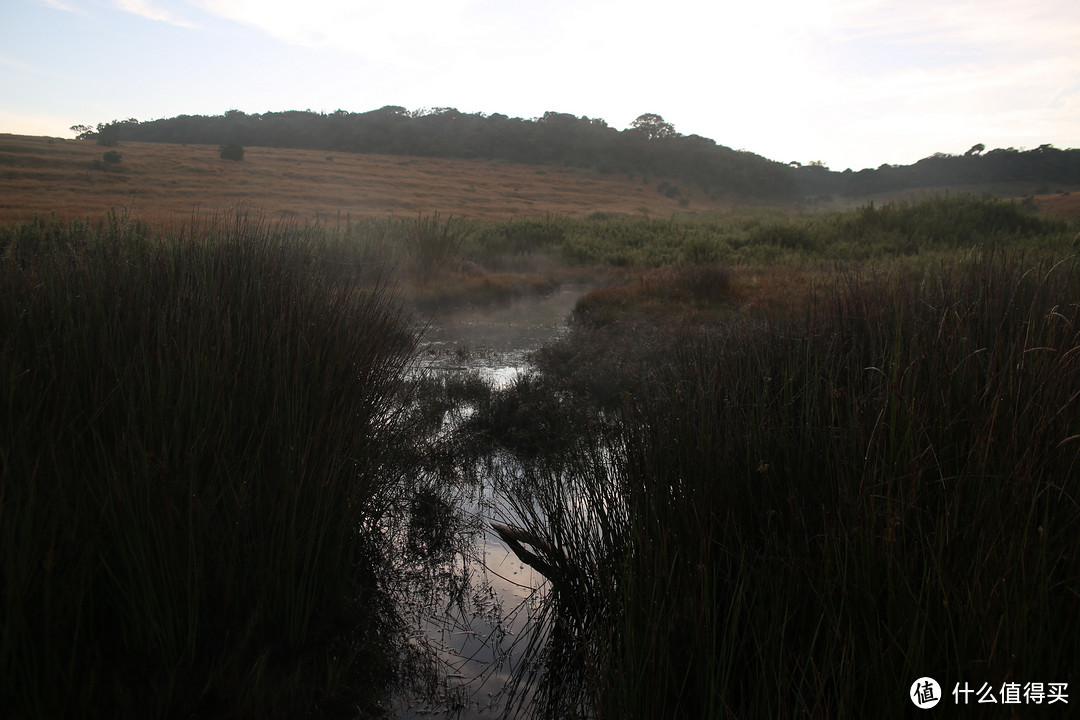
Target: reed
801,516
199,438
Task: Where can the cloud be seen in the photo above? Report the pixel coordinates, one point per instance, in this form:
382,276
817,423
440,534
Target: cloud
990,26
403,33
145,9
66,7
951,51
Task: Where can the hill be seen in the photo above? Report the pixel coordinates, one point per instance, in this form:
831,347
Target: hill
650,149
162,181
71,178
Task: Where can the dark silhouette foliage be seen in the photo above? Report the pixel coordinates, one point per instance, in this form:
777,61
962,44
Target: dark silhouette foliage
654,126
1045,164
231,151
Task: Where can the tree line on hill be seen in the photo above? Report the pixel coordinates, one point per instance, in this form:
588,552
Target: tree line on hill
650,148
1046,168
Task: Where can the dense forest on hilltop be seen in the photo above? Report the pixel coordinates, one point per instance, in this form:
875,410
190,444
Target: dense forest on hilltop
650,148
1047,168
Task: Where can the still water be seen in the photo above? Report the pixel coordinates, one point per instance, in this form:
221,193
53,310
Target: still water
478,621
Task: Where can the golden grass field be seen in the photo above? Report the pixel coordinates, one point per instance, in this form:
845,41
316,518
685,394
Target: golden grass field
168,183
165,183
1061,204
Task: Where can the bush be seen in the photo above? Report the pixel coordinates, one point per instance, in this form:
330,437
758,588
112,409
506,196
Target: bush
231,151
111,157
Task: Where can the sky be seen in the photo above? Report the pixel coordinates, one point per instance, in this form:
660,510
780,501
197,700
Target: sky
851,83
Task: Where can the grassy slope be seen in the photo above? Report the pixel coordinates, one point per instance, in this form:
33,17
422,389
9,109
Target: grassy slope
167,182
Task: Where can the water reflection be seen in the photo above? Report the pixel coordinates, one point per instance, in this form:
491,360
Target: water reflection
476,607
481,636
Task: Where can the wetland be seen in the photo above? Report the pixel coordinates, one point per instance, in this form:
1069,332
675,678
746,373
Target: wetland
756,463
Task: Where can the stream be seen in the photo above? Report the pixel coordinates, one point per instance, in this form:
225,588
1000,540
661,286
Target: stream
477,622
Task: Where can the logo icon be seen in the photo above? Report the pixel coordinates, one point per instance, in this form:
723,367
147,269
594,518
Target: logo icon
925,693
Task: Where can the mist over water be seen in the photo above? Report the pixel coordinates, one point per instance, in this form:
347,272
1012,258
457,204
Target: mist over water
496,342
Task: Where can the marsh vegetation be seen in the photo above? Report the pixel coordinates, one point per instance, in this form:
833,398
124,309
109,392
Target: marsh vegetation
781,464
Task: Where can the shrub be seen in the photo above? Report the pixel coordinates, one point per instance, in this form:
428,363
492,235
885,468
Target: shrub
231,151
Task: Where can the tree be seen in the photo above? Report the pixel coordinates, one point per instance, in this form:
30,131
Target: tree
653,126
107,134
975,150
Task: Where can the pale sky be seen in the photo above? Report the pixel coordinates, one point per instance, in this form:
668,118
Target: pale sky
853,83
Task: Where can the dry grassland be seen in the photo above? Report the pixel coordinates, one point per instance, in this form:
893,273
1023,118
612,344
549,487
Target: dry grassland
166,183
1066,204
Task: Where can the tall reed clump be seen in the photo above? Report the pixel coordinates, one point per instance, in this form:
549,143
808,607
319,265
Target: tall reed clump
432,243
198,438
804,517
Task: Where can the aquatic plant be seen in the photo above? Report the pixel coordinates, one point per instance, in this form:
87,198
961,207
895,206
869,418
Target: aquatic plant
198,437
803,515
